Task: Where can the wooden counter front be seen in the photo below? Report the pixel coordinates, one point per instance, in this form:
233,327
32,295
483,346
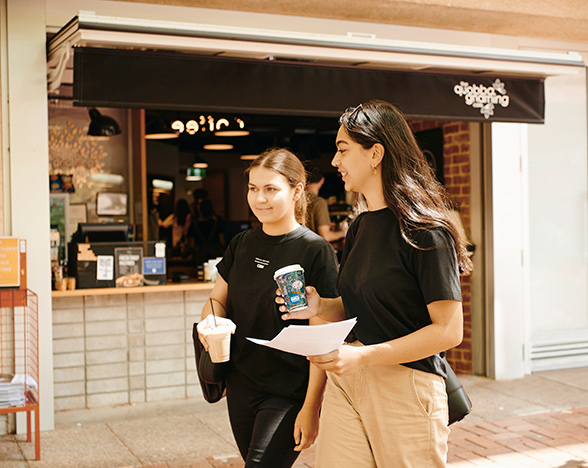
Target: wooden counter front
170,287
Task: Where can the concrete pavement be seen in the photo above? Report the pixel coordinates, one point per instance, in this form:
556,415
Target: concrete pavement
540,420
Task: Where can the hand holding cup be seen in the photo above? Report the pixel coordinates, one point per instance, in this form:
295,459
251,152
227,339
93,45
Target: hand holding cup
290,280
215,335
313,300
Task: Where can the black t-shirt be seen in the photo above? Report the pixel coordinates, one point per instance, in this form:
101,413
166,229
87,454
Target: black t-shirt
386,283
248,267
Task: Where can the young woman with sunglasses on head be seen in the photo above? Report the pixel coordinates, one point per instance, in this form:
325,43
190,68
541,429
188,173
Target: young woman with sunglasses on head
273,397
385,403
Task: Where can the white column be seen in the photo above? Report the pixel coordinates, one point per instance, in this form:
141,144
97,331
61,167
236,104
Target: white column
29,168
507,337
558,182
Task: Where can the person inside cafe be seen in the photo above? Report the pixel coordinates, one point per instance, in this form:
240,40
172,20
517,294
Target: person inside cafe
178,224
318,218
206,233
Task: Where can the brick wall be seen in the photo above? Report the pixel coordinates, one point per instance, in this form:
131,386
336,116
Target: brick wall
456,156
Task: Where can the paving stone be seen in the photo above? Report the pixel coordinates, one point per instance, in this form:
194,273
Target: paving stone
190,433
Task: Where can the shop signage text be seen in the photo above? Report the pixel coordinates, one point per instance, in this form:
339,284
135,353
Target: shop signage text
482,97
206,123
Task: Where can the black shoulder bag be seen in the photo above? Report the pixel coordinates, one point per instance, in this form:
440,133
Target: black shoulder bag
458,401
211,375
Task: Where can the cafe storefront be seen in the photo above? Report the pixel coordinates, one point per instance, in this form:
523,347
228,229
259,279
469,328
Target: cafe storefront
183,76
497,97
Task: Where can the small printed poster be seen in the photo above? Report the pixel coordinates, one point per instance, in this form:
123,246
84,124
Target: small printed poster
153,266
104,267
129,266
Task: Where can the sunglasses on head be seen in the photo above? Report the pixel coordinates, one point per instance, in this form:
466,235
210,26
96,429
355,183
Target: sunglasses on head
353,113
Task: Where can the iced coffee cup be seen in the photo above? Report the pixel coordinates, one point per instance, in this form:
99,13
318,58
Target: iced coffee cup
218,337
290,280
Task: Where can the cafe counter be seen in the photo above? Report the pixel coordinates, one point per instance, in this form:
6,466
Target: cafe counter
114,346
169,287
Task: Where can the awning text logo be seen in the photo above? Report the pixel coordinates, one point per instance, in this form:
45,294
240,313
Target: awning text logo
482,97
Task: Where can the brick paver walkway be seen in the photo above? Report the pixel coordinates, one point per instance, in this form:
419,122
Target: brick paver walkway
557,439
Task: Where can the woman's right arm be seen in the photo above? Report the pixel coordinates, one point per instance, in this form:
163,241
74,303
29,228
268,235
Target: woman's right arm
218,296
329,310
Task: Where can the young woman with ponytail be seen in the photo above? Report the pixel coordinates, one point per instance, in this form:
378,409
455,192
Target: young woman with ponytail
273,397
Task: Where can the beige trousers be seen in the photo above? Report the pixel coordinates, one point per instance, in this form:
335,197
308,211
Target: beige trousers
384,417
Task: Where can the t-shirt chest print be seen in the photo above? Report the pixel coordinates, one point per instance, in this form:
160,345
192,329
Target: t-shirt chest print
261,263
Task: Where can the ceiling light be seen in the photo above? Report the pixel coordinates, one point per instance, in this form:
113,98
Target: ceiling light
159,129
199,163
248,157
102,125
235,128
163,184
104,178
218,147
160,136
232,133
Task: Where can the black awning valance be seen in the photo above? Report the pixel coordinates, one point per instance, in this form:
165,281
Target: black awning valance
174,81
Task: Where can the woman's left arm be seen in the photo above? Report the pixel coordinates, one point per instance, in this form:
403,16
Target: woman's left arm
445,332
307,422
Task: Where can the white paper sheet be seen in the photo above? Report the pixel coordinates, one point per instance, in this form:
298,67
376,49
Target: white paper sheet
310,340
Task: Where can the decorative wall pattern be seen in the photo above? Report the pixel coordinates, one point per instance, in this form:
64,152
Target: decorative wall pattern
71,151
96,164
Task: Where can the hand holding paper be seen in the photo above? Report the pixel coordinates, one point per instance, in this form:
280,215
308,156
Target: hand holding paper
310,340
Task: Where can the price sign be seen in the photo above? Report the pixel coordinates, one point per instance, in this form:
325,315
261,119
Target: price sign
9,262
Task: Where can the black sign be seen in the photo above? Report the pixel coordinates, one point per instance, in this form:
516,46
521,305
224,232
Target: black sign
175,81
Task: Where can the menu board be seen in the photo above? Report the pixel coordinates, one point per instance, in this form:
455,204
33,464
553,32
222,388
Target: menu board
128,262
9,262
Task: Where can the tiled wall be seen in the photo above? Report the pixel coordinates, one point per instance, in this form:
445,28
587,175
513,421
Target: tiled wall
124,348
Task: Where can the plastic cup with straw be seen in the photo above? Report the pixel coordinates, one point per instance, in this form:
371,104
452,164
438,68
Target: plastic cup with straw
218,333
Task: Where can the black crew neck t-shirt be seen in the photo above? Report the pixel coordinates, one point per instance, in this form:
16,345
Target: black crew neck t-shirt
387,283
248,267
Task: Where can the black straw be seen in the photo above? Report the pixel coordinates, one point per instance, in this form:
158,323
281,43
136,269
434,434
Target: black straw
213,316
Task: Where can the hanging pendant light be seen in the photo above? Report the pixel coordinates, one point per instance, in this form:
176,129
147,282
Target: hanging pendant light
102,125
159,129
233,128
218,147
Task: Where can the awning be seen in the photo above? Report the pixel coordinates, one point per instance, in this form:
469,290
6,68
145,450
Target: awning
178,81
172,65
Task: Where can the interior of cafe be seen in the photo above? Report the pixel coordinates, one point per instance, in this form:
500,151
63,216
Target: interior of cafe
189,156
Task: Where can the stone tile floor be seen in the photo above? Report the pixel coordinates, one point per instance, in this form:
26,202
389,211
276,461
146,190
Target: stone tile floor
540,420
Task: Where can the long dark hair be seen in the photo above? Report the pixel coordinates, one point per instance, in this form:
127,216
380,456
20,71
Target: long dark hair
411,189
182,211
284,162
